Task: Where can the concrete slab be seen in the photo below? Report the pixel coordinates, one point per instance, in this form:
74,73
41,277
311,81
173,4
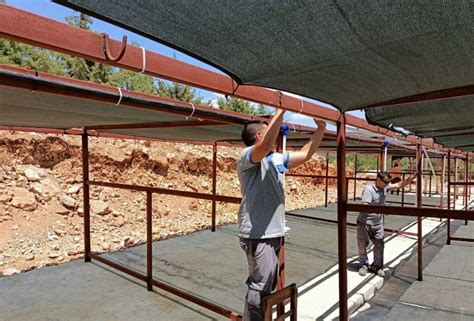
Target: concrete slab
210,265
447,289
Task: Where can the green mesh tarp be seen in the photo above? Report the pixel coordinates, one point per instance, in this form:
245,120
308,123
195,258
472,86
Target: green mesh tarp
345,52
449,121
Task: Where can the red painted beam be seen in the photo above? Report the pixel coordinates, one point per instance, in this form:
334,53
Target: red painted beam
86,44
432,95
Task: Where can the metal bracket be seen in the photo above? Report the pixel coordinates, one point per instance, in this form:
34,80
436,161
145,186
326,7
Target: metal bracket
106,48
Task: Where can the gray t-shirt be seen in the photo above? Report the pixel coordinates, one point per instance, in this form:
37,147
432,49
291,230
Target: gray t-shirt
373,196
262,210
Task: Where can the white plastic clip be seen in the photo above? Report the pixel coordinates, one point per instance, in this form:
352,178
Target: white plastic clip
121,96
192,113
301,110
144,60
294,128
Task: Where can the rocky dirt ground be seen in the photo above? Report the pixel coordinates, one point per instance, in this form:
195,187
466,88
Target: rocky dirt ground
41,194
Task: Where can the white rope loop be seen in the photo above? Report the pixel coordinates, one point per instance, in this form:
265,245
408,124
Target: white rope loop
121,96
192,113
301,110
143,60
294,128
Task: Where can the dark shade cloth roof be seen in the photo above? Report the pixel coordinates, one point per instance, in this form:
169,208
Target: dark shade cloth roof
348,53
449,122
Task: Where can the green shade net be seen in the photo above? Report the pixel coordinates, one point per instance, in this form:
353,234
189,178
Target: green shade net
345,52
449,121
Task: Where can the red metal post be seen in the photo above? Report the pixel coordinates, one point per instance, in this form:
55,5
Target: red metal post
419,190
466,166
455,180
429,181
355,176
403,189
342,216
448,221
382,159
443,178
149,240
86,197
327,178
214,184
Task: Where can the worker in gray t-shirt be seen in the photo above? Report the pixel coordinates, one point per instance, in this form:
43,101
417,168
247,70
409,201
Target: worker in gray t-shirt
370,225
261,174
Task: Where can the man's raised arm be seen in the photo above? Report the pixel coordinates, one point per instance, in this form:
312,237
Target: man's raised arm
304,154
264,145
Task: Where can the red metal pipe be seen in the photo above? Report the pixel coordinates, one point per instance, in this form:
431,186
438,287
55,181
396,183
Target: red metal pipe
403,190
86,197
411,211
149,240
326,181
448,222
214,185
86,44
164,191
355,175
443,178
455,181
466,165
419,204
342,217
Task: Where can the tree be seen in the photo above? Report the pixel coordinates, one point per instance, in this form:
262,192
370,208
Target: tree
177,91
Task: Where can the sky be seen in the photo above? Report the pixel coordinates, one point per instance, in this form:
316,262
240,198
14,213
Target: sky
57,12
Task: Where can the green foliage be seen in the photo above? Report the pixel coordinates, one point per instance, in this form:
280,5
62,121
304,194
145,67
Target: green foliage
242,106
177,91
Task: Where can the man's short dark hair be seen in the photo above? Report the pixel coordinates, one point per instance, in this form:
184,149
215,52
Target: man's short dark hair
384,176
250,130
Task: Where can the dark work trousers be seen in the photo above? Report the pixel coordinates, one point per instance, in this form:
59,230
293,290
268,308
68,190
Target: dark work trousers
262,256
375,233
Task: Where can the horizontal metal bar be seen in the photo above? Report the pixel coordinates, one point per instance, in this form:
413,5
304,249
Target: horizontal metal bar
433,95
326,220
411,211
118,266
463,239
165,191
86,44
310,176
190,297
197,300
461,183
163,124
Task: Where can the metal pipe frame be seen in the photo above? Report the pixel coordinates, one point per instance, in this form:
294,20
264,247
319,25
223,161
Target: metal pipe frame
448,223
49,34
148,277
342,217
419,204
214,185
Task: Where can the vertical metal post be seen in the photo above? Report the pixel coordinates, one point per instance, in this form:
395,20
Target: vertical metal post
382,159
466,165
214,185
429,188
355,176
419,186
378,162
403,189
455,180
149,240
327,179
448,222
443,178
86,196
342,216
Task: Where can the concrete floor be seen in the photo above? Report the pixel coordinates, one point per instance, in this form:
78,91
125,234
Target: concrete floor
210,265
